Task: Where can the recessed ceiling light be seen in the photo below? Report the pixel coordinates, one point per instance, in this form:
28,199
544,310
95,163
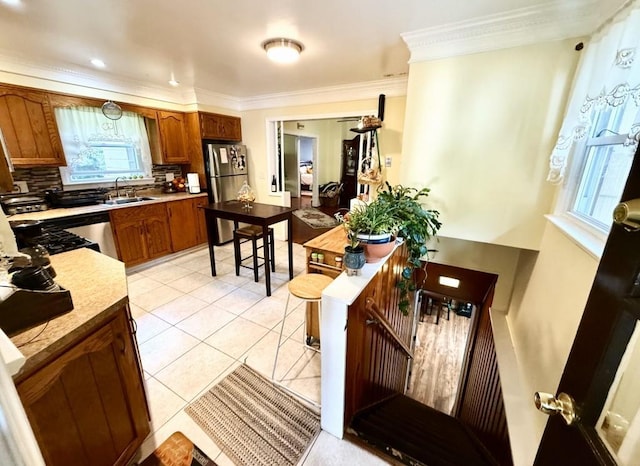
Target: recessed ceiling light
174,83
13,3
282,50
97,63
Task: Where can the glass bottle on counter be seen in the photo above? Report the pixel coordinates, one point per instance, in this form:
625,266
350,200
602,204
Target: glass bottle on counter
274,184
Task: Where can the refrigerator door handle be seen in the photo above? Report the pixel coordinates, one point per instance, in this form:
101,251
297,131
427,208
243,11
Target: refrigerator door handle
215,189
213,161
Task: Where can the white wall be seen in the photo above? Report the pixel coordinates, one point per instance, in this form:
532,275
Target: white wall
479,129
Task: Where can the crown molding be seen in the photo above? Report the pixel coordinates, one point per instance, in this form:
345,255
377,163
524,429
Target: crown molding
391,87
524,26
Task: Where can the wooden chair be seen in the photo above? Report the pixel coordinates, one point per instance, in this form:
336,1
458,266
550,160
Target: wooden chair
252,233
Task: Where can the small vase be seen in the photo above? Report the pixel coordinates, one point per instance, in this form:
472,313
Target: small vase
353,260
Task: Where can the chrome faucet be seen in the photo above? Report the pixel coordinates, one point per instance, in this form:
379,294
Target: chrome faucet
118,190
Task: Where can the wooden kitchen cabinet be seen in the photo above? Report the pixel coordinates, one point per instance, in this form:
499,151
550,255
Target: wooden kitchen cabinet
182,223
29,128
220,127
171,132
87,405
186,222
201,223
141,233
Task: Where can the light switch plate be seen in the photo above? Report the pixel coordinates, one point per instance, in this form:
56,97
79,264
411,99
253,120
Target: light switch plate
387,161
20,187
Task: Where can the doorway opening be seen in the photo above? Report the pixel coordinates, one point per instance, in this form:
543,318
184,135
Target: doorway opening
329,131
298,160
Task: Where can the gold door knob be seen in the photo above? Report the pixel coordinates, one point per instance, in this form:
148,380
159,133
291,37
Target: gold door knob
563,404
628,214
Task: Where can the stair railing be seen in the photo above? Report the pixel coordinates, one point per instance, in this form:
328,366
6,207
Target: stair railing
379,319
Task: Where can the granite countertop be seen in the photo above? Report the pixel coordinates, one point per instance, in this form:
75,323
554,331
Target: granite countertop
66,212
98,286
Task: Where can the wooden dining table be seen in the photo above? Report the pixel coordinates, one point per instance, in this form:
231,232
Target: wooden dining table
259,214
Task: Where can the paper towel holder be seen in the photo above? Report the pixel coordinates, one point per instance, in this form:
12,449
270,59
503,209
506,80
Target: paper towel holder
193,182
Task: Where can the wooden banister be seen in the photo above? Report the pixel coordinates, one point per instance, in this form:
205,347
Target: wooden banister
374,311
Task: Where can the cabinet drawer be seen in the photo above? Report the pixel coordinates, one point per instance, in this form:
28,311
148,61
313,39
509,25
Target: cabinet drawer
138,212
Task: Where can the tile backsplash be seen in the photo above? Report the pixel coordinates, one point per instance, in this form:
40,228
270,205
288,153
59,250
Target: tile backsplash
43,178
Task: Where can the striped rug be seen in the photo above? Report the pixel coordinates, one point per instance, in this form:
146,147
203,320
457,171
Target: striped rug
253,421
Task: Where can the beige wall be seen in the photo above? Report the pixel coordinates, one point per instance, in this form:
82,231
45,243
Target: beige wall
551,289
479,130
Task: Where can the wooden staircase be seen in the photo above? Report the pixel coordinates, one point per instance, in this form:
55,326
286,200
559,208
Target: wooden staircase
416,434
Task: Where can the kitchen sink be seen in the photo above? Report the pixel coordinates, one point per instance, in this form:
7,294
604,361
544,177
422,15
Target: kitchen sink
127,200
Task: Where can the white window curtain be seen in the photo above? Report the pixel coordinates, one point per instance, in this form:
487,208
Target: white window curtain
81,128
608,76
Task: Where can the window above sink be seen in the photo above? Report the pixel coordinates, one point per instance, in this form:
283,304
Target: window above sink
99,150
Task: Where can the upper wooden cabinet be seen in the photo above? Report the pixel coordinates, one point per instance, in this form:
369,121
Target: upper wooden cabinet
29,128
171,130
220,127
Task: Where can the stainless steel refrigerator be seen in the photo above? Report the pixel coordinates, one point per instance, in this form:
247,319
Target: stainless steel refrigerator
226,170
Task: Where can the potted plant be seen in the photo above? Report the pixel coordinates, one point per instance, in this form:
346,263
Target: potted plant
353,259
415,224
375,226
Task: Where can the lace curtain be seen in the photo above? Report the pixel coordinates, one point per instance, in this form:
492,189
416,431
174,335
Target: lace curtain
81,128
608,76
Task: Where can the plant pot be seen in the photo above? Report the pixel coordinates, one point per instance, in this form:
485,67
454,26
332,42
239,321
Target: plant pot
353,260
373,252
366,238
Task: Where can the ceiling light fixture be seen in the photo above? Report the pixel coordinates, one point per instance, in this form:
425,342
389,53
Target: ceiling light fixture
282,50
174,83
97,63
449,281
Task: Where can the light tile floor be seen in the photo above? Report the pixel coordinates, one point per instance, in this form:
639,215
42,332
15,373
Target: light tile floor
194,329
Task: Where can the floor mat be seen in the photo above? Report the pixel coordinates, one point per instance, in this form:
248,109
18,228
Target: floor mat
253,421
178,450
315,218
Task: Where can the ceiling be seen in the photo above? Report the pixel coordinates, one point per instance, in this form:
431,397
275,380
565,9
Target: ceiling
215,45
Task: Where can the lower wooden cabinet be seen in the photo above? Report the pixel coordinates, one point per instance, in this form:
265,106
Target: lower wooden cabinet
87,405
186,221
141,233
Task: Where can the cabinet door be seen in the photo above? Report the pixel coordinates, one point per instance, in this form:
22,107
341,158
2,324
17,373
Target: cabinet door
158,236
182,223
29,128
221,127
201,224
171,127
88,406
129,235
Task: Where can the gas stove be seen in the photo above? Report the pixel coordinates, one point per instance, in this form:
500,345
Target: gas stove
56,240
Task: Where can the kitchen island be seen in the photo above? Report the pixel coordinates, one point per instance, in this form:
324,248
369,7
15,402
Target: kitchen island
81,384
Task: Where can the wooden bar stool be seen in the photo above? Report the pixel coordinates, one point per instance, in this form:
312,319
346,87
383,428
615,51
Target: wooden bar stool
308,287
252,233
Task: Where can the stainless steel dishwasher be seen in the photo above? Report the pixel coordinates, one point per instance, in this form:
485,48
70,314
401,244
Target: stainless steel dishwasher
92,226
